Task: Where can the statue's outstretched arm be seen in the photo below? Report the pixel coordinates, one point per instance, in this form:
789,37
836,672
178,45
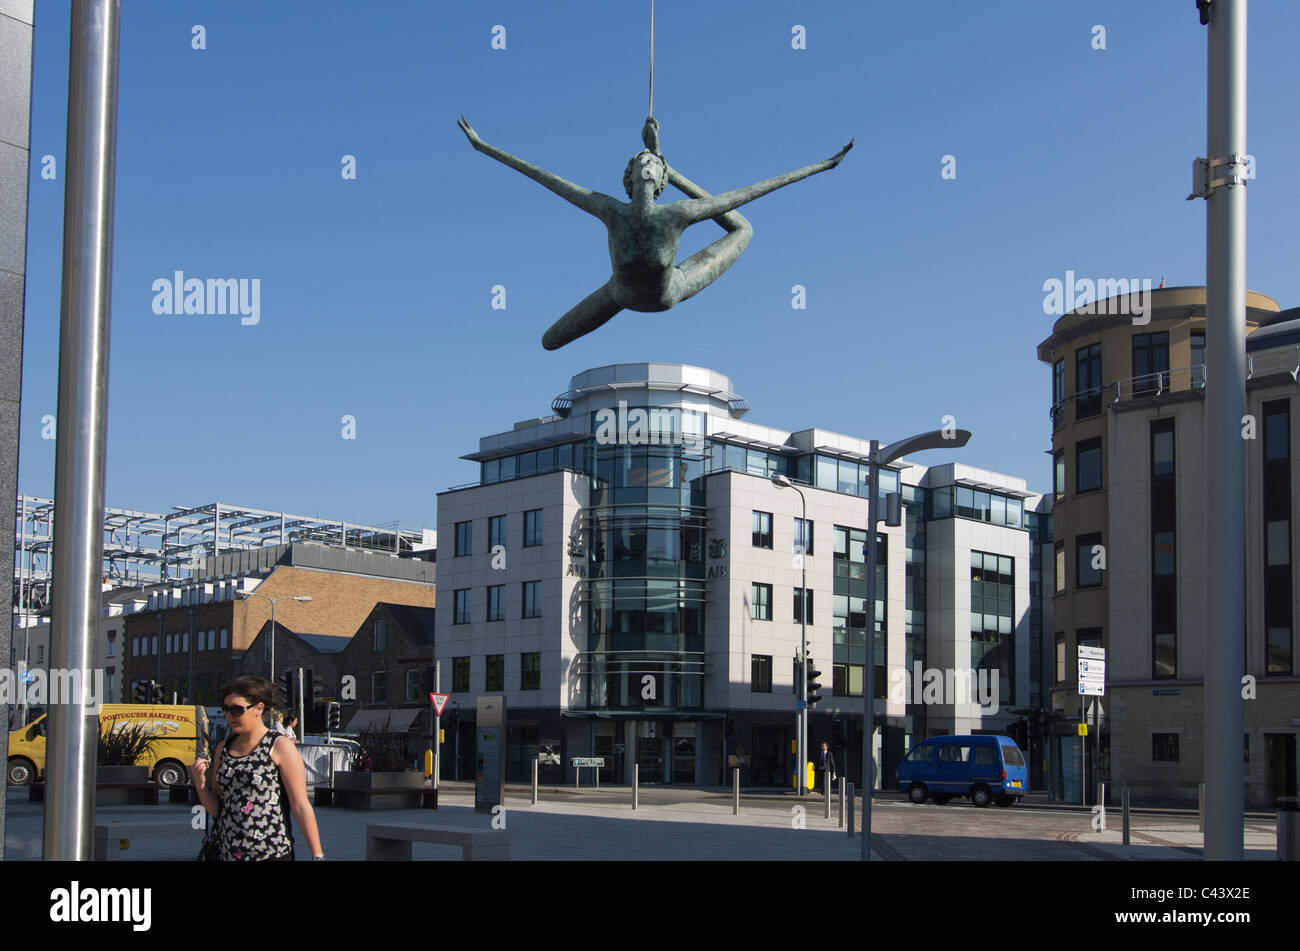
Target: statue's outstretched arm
701,209
594,203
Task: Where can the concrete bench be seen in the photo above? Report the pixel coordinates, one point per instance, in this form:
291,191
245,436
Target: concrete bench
109,794
404,798
392,843
108,837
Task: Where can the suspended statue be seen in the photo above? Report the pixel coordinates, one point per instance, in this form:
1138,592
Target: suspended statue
643,236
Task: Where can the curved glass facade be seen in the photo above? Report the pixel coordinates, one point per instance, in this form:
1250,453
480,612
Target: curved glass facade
645,582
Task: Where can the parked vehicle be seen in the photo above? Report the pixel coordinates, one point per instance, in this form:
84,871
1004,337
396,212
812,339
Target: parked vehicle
168,758
982,768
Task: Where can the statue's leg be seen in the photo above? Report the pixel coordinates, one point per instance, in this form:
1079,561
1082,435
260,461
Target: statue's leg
705,266
595,309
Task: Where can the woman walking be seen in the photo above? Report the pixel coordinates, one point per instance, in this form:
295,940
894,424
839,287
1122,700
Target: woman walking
259,781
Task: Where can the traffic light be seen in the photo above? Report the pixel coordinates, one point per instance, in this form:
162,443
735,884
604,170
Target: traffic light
289,685
813,686
308,691
837,732
155,692
141,691
334,716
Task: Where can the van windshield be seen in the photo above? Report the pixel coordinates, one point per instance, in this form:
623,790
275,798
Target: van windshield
1011,754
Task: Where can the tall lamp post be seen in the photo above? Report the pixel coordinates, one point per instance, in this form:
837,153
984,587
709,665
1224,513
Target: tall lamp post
273,602
883,456
801,716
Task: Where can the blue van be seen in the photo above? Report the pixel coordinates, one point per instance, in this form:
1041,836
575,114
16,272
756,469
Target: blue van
984,768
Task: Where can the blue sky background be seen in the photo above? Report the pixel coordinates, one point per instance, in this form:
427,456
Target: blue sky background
924,296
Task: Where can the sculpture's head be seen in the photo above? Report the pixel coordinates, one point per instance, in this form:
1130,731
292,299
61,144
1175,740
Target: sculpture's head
646,164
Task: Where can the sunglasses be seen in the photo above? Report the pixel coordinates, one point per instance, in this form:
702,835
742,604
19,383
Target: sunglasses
235,710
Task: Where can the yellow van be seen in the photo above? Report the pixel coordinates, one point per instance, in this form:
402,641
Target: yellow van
168,759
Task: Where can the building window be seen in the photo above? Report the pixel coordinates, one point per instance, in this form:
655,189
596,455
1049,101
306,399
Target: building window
496,599
1198,358
1060,567
153,645
112,646
412,685
760,673
1278,622
379,687
225,639
40,653
460,600
532,528
1087,466
1087,381
1150,362
185,641
212,639
1086,575
460,674
1164,551
761,595
798,600
496,673
1058,474
530,671
464,539
1060,657
1058,386
803,537
496,532
381,629
762,529
1164,747
846,680
992,618
532,599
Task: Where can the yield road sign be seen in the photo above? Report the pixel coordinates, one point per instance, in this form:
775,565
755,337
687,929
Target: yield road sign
439,700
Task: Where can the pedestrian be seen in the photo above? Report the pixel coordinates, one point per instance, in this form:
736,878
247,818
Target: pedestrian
825,767
257,781
277,722
291,726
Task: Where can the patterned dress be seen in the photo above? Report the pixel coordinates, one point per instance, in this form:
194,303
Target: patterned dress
253,825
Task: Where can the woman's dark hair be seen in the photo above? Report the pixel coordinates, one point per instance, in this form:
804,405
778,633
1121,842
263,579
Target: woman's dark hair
256,689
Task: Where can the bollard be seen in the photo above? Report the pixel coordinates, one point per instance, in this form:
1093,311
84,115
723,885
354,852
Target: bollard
534,782
1126,819
596,770
842,782
577,777
1200,808
636,785
735,796
826,790
1288,829
850,809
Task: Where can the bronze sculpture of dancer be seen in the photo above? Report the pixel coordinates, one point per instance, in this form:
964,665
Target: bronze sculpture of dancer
643,236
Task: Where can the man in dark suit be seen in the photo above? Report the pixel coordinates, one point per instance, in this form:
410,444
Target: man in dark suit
825,766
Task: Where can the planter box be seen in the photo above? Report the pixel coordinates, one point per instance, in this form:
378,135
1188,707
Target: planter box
123,786
121,774
367,790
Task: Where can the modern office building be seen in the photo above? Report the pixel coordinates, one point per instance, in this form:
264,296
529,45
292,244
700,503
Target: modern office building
628,576
1129,502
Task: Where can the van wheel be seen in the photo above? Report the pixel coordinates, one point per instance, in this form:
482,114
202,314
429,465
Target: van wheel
980,796
941,800
916,792
21,772
169,773
1005,801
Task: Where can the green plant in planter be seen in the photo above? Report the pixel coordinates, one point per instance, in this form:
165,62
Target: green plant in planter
125,746
384,751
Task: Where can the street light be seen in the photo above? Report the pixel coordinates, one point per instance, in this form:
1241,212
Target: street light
273,602
883,456
801,716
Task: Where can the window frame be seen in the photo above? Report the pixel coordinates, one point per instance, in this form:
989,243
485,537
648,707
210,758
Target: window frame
533,535
760,673
1080,447
758,603
464,539
761,538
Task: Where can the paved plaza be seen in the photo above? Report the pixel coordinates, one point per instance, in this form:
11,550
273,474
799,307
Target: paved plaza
688,825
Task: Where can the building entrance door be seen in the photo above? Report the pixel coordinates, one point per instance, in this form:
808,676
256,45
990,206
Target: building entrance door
769,761
650,753
612,771
1280,765
684,753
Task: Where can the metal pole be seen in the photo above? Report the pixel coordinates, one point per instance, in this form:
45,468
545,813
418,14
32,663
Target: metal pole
735,791
1200,809
849,810
83,407
842,787
636,786
826,790
869,687
1125,796
534,781
190,685
272,677
802,719
437,734
1083,756
1225,454
302,711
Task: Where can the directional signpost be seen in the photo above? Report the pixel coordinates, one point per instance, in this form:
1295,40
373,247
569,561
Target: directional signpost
1092,683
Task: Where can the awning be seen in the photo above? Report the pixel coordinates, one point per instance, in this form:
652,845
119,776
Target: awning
392,721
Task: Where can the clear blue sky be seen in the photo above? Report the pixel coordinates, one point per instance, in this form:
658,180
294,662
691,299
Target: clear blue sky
924,296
